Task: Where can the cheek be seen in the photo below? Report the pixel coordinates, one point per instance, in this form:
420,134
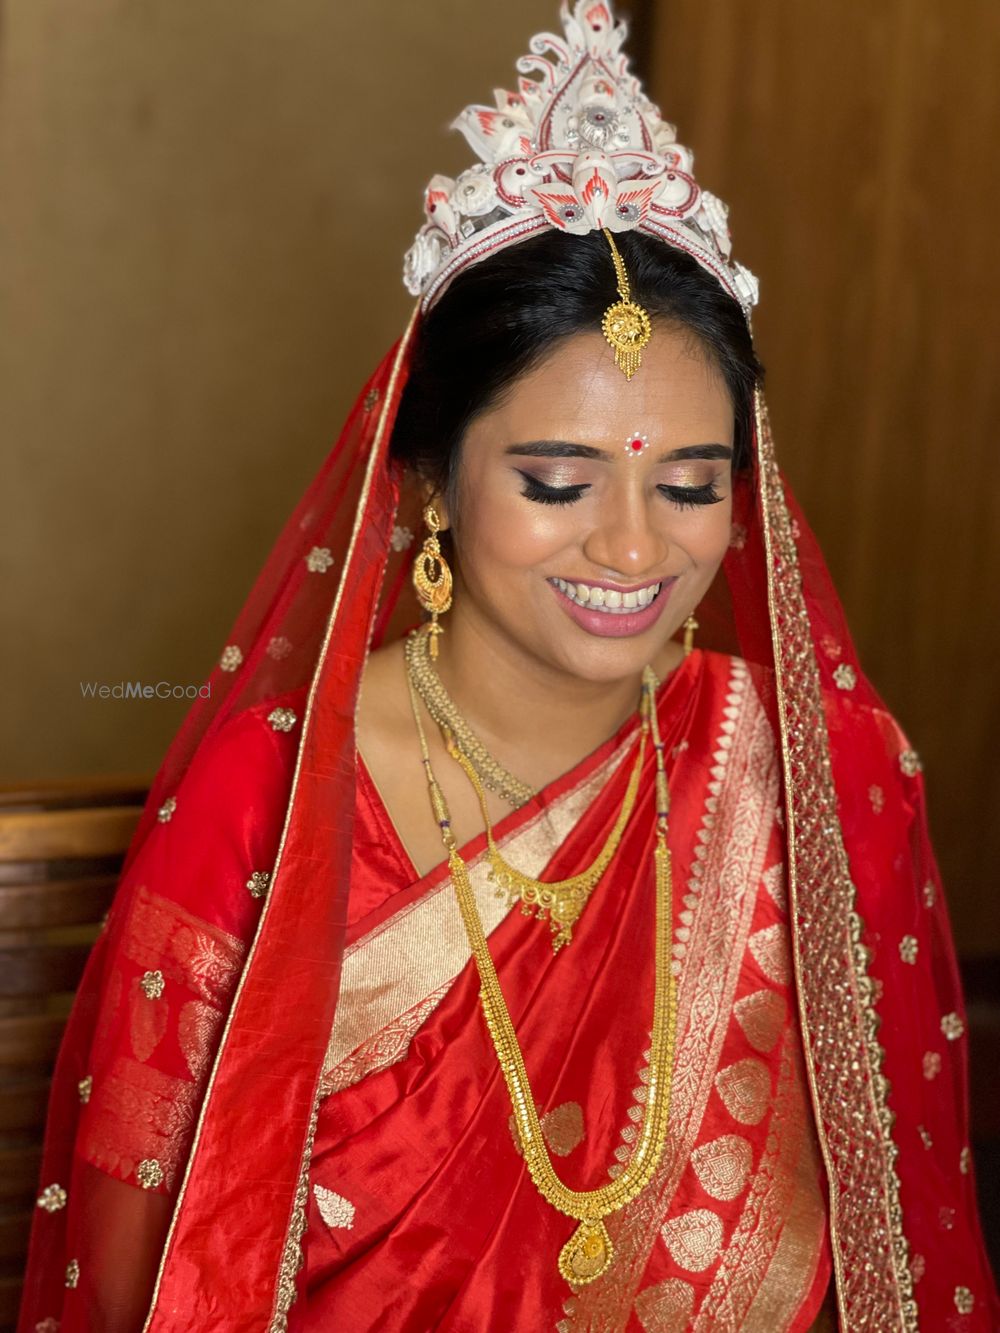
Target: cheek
505,530
705,534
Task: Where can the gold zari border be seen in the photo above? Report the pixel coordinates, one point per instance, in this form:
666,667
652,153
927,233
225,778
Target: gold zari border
839,1022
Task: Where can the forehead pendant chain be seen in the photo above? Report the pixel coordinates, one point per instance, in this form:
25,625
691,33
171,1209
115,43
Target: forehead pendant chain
625,325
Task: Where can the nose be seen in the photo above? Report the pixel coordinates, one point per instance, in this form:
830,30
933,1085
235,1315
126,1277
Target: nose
627,538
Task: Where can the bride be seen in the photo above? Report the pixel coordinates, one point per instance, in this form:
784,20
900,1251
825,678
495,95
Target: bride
537,928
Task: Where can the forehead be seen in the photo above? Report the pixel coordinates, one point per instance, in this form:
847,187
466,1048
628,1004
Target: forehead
578,393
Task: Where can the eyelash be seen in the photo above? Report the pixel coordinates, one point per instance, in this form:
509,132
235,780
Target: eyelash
684,497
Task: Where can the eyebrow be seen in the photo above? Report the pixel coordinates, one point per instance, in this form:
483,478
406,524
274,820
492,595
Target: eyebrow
570,449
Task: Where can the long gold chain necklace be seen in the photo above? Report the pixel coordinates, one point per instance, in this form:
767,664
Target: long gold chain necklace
438,703
589,1251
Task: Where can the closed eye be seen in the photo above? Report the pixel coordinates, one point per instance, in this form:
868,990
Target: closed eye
688,497
550,495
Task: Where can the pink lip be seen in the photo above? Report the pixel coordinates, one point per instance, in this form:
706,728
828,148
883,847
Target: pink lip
616,627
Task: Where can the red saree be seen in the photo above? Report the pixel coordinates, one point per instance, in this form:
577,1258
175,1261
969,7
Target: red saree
419,1219
239,1042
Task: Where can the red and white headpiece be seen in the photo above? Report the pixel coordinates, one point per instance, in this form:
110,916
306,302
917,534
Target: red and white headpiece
578,147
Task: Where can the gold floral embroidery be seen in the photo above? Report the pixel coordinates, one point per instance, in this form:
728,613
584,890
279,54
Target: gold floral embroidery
946,1218
151,984
909,762
197,1027
282,719
745,1088
723,1166
774,882
319,560
766,1267
908,946
278,648
139,1114
52,1198
85,1087
334,1209
258,882
693,1239
371,398
965,1302
918,1266
925,1137
965,1161
231,659
762,1018
183,948
771,950
930,893
952,1026
401,539
166,810
149,1174
667,1307
73,1273
562,1128
932,1064
147,1022
845,677
877,798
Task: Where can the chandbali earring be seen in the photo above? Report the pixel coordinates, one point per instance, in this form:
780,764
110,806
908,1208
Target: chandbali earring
690,625
432,577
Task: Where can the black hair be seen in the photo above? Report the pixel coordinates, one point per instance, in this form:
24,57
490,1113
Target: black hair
503,315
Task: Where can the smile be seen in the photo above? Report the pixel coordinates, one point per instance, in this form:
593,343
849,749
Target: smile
609,600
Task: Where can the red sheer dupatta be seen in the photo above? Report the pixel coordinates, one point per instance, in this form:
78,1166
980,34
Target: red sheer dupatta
881,1019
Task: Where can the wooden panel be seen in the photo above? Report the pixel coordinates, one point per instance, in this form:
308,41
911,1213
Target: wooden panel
47,833
23,1103
19,1169
41,971
14,1228
62,903
855,145
31,1039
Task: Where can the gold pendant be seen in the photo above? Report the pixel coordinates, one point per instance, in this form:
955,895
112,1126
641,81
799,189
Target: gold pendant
587,1254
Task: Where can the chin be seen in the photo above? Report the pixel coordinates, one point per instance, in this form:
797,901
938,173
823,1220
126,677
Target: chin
609,660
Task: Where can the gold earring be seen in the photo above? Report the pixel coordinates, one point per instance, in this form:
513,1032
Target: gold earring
690,625
432,577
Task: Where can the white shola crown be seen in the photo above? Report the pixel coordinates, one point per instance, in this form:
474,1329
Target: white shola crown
580,147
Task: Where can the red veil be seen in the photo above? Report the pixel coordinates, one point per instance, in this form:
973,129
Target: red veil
879,998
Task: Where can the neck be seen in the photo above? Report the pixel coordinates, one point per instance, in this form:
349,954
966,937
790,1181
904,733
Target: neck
557,718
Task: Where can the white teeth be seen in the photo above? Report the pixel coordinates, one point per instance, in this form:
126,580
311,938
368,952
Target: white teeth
608,600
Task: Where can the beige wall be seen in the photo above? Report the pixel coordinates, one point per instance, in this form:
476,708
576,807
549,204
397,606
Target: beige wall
204,212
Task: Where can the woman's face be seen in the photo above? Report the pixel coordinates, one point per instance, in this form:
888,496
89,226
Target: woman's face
583,549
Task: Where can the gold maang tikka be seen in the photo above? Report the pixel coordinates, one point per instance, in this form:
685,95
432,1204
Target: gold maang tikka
432,577
626,325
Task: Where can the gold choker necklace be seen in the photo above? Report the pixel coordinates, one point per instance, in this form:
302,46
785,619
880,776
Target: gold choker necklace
563,900
438,702
589,1252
